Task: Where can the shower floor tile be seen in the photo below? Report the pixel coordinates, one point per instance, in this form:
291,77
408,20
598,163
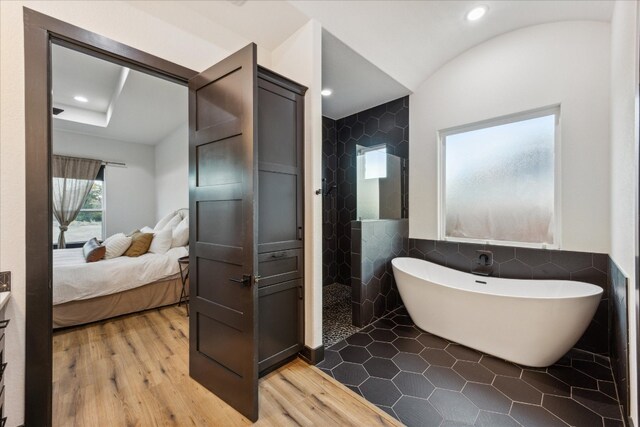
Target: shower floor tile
336,314
424,380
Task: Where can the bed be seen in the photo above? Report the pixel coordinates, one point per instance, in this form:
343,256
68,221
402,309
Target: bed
87,292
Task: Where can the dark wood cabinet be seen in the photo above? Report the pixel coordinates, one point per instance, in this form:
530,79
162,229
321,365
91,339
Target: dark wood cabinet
280,218
3,327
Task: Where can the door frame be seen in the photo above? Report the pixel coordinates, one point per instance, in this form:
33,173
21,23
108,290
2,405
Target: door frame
40,31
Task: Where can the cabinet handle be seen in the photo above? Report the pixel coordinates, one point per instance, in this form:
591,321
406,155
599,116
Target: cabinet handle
278,255
3,421
4,323
2,368
299,233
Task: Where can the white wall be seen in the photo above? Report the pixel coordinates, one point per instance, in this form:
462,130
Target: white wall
300,59
563,63
113,19
172,172
624,158
130,192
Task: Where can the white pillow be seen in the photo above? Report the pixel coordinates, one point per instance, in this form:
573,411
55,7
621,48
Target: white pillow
173,223
161,242
164,221
181,234
116,245
147,229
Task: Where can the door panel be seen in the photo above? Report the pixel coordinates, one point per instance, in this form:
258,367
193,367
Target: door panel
220,162
280,168
219,102
278,207
224,295
220,222
209,343
281,335
278,142
223,335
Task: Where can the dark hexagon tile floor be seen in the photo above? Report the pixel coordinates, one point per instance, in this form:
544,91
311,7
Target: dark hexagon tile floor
425,380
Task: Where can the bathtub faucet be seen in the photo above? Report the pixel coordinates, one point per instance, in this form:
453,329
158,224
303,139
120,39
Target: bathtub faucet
484,263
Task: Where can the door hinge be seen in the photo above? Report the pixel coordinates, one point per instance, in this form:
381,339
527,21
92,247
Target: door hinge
5,281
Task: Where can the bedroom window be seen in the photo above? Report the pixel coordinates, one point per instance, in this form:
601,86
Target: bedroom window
90,221
499,180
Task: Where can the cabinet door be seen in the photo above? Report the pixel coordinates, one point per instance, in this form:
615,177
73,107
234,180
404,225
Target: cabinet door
280,151
280,314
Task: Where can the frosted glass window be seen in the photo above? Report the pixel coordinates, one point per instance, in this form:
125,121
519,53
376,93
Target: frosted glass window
375,163
499,182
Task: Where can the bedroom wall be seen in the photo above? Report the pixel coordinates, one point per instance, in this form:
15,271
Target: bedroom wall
130,192
172,172
300,58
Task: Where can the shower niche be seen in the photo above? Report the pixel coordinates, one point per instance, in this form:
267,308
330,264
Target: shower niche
379,183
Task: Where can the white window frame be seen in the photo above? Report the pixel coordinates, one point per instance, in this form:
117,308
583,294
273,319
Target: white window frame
103,210
502,120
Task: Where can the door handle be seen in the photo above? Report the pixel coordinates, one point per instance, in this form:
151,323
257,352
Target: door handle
246,279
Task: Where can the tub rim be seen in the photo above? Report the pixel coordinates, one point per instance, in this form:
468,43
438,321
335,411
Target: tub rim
599,291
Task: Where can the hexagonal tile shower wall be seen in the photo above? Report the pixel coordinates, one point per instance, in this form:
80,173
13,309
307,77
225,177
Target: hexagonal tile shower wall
329,207
385,124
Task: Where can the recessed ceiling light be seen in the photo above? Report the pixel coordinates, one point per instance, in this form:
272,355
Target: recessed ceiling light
477,13
326,92
80,98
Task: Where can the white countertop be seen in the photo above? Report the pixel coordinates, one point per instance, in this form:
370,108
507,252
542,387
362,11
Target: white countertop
4,298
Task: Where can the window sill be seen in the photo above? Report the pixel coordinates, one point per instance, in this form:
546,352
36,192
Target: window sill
502,243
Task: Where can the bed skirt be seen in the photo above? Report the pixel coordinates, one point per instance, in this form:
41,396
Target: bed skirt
153,295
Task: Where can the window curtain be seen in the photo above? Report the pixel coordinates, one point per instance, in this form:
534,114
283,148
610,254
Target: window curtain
72,180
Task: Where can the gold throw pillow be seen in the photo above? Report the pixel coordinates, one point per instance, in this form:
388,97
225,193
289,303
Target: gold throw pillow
140,243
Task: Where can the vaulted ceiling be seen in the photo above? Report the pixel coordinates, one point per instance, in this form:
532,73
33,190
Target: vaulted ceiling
410,40
373,51
396,44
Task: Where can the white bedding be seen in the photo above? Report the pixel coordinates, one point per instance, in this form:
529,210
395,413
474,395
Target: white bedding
75,279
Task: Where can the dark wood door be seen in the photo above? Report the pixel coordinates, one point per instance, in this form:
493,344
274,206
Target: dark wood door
223,333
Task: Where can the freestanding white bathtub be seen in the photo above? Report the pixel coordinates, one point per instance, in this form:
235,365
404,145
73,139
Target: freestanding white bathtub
530,322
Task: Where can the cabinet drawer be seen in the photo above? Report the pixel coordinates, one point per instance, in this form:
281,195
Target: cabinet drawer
279,266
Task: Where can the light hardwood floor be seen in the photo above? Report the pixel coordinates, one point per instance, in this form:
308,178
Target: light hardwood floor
133,371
